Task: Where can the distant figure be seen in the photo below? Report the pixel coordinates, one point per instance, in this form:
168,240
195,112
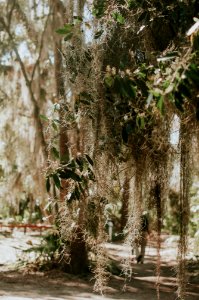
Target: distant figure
141,242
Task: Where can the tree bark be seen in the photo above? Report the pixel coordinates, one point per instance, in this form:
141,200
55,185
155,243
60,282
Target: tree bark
78,251
58,10
125,202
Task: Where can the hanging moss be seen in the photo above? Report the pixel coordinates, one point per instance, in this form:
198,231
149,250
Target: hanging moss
130,92
185,138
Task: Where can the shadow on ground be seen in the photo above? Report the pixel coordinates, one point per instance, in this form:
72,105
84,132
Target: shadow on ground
55,285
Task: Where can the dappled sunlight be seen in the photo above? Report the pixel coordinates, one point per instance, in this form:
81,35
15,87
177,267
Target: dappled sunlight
44,286
13,245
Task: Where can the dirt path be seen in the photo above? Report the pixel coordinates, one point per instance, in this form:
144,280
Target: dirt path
59,286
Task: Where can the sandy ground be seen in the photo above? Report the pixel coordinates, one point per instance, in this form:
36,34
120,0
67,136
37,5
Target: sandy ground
54,285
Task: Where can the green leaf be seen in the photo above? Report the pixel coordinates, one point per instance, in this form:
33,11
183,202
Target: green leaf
55,152
43,117
54,125
99,8
98,34
48,184
141,84
69,174
142,123
179,100
91,175
68,27
172,53
179,105
160,104
89,159
184,89
57,121
125,135
124,92
78,18
72,165
84,182
132,4
65,30
56,180
124,87
129,128
118,17
109,81
118,84
81,188
68,36
128,88
61,31
85,98
77,193
138,121
86,102
193,74
80,163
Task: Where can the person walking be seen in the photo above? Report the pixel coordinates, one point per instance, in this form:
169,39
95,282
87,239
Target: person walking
141,241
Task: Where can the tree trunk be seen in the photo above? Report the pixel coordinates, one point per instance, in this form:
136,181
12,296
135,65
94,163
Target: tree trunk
58,21
78,251
125,202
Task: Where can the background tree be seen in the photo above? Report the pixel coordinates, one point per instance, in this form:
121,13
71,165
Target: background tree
27,62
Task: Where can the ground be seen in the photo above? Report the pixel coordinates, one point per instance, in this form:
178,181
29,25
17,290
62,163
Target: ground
56,285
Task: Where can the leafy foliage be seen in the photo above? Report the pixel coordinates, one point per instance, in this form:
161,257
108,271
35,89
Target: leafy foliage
48,250
78,171
99,8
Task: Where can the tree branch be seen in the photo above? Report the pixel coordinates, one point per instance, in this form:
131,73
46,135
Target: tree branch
5,95
31,31
11,11
41,47
28,84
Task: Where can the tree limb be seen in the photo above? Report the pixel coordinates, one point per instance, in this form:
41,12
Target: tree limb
28,84
11,11
31,31
41,47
